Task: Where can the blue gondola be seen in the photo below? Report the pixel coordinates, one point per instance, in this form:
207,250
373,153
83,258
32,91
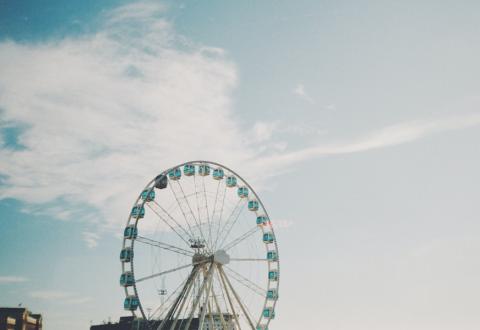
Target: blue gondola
161,181
242,192
218,174
272,256
148,195
231,181
131,303
273,275
138,211
126,279
126,255
175,174
253,205
269,313
204,170
268,238
262,327
272,294
189,169
262,220
130,232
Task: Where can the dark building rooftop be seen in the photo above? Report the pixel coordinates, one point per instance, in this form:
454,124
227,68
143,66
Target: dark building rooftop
19,318
129,323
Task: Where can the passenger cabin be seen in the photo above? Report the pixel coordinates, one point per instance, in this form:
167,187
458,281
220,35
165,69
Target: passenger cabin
231,181
269,313
126,279
189,169
131,303
273,275
262,220
126,255
161,181
204,170
272,294
262,327
138,212
218,174
268,238
175,174
253,205
242,192
272,256
130,232
148,195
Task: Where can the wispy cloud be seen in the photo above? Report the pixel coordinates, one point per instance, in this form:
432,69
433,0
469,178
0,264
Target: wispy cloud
104,113
107,111
382,138
300,91
91,239
59,296
12,279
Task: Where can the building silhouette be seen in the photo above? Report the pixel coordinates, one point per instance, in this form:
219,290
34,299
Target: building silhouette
130,323
19,318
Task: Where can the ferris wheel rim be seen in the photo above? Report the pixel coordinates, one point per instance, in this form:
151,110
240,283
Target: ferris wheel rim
150,187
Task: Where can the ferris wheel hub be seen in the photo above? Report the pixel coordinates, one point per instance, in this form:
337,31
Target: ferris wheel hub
221,257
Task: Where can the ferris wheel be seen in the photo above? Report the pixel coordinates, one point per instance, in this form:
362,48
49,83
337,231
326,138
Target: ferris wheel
199,252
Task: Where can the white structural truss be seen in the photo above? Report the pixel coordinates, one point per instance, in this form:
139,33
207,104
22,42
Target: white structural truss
199,252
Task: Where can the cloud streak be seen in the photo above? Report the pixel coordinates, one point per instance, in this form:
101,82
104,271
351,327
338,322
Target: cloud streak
386,137
300,91
103,113
107,111
59,296
12,279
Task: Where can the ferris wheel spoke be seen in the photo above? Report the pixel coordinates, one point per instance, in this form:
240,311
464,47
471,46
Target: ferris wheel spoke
230,222
173,219
214,209
217,273
246,282
202,207
189,210
210,316
164,246
220,216
241,238
208,214
224,238
207,294
164,272
169,225
184,303
167,301
196,199
205,283
237,297
182,296
248,259
219,310
228,297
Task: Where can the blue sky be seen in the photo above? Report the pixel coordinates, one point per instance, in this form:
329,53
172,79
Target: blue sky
358,123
